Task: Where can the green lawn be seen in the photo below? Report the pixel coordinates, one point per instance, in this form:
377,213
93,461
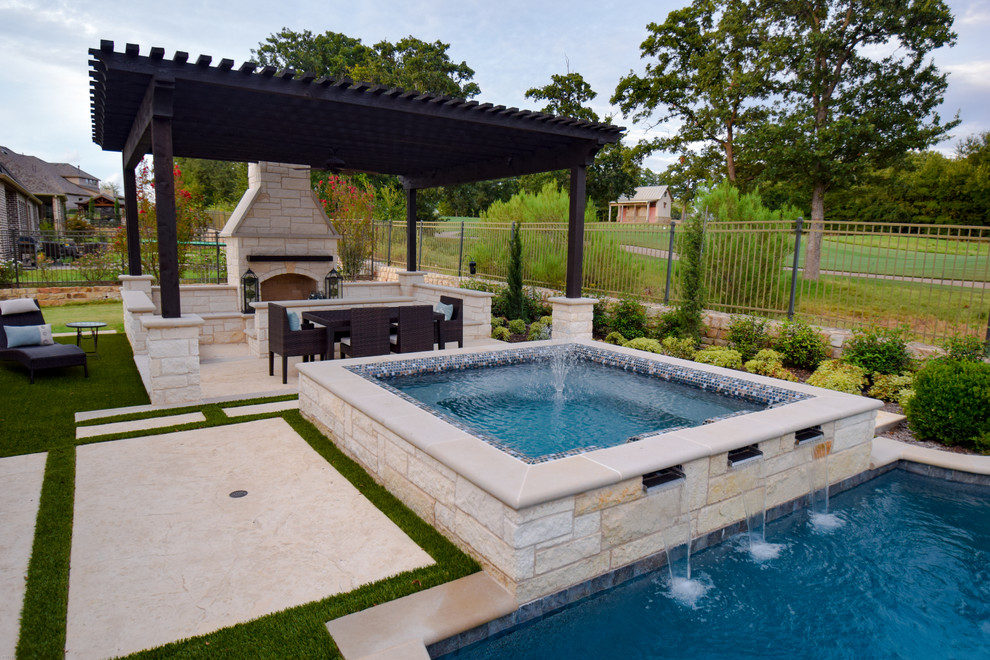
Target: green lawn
110,312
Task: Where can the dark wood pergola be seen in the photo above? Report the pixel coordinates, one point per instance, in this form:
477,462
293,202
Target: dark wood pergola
146,104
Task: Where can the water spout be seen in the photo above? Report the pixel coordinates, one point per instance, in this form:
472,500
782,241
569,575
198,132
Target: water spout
755,505
821,519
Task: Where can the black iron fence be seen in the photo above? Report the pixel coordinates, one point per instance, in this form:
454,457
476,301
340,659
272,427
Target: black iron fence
933,278
99,256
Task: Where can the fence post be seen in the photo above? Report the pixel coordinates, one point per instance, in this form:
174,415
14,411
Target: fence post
419,252
460,252
388,253
216,240
670,263
794,268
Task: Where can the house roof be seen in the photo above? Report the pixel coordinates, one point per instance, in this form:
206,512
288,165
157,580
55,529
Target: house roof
8,177
646,194
249,114
66,170
39,176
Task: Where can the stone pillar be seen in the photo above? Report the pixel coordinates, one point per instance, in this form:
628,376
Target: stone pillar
173,358
140,283
572,318
408,279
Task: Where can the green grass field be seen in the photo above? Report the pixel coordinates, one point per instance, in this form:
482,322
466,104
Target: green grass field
110,312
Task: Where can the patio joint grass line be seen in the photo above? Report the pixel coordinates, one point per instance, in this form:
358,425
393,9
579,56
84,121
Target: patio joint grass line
169,412
46,597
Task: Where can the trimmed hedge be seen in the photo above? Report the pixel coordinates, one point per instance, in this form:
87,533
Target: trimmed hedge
951,404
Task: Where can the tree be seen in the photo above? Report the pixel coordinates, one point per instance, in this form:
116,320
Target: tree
214,183
843,108
616,168
411,63
328,54
566,95
349,202
514,281
711,73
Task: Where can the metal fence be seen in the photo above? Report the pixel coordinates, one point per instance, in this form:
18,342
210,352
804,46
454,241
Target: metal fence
933,278
98,257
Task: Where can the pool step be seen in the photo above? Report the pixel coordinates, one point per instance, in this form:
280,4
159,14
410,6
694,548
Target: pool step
887,421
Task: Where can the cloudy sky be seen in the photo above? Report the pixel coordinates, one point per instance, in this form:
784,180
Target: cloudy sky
511,44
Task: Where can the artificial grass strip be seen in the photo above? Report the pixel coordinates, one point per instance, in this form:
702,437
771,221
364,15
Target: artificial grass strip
168,412
300,632
40,417
46,599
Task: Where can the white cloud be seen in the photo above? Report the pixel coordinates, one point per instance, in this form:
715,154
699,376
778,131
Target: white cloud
975,73
976,14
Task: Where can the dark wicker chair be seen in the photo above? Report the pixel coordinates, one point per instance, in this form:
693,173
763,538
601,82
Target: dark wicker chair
369,333
452,330
415,331
39,357
306,342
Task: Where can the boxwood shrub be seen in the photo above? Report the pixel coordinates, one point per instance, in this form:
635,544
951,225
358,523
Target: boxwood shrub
951,404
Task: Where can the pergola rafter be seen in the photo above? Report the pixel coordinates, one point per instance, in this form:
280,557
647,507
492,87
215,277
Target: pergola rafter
145,104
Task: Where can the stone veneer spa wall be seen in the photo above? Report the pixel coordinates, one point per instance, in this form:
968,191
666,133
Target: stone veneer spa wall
540,528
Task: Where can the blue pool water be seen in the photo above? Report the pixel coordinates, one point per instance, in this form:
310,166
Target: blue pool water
905,575
538,411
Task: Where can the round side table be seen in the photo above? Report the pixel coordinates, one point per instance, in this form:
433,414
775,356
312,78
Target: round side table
93,327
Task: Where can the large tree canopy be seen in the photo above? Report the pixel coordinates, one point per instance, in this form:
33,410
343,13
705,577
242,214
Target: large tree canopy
409,63
843,106
709,70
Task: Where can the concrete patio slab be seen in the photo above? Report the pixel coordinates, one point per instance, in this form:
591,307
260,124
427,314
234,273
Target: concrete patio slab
21,477
160,551
138,425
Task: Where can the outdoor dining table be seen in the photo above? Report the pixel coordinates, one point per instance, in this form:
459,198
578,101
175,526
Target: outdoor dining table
338,323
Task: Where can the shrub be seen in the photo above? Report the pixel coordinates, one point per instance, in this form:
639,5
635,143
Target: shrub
546,320
501,333
880,350
748,335
967,349
7,271
629,318
517,326
99,266
664,325
678,348
537,331
889,387
616,339
800,345
514,283
769,363
719,356
691,279
498,322
644,344
600,320
951,403
840,376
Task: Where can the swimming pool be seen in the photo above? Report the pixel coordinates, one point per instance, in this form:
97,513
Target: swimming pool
906,575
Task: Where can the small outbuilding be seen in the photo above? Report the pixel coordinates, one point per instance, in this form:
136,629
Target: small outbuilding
647,204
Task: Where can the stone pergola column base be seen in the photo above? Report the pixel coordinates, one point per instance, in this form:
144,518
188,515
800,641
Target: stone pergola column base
572,318
408,279
140,283
173,358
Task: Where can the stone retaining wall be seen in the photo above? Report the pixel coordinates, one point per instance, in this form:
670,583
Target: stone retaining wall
52,296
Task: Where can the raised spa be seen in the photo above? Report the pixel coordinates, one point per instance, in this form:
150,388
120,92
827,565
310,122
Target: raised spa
542,520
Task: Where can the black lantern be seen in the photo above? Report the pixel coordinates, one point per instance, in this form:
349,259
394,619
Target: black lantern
472,267
249,285
333,285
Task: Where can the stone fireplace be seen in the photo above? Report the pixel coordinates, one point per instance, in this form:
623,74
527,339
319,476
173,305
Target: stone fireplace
280,232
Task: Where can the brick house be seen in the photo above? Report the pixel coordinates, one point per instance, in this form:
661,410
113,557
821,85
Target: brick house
20,212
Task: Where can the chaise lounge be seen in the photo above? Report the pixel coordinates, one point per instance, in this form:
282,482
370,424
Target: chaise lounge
25,338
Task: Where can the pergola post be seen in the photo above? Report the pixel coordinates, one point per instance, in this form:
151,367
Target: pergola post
575,231
168,237
131,222
411,260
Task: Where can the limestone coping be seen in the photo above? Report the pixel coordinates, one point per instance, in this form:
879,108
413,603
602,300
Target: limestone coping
520,485
137,301
467,293
135,278
888,450
403,628
561,300
323,303
204,287
184,321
